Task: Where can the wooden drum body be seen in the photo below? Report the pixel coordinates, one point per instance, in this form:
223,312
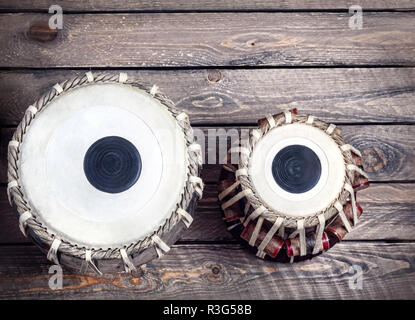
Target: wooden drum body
293,193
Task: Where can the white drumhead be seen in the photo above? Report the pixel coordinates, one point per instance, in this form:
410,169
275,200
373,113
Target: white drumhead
307,203
52,158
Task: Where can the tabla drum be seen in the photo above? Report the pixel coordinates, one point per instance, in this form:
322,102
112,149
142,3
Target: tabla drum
293,193
104,173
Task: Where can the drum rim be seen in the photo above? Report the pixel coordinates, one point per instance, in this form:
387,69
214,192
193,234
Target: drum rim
28,221
252,195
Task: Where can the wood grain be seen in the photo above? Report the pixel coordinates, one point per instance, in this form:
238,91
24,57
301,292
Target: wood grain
209,39
388,151
207,262
226,96
389,214
205,5
224,271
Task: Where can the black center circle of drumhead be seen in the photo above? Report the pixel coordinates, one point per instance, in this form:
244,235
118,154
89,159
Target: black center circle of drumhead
112,164
296,169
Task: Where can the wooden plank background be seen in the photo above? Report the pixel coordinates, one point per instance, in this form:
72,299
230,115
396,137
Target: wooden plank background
228,63
201,5
209,271
187,40
229,96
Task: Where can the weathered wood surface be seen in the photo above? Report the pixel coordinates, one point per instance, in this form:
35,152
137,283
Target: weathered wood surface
373,106
207,39
388,151
201,5
389,214
223,272
230,96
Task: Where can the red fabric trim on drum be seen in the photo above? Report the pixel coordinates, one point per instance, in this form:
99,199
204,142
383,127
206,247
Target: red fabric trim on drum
290,251
248,230
334,232
243,234
277,249
361,185
359,208
326,242
295,111
235,216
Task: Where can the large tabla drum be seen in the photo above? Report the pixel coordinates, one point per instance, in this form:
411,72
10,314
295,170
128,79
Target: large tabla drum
293,193
104,173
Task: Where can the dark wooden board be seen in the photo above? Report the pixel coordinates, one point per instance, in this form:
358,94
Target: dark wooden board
229,96
388,151
207,39
223,272
205,5
389,214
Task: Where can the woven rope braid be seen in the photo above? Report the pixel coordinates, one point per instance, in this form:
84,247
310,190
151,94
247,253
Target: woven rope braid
17,194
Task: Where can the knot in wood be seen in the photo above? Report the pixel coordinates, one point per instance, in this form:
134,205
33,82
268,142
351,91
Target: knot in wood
215,76
41,32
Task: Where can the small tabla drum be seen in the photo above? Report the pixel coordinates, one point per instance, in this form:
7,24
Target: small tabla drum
293,193
104,173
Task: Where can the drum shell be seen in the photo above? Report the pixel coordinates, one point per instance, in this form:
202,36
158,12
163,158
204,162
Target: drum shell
293,245
332,221
74,264
274,245
337,227
278,248
115,256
